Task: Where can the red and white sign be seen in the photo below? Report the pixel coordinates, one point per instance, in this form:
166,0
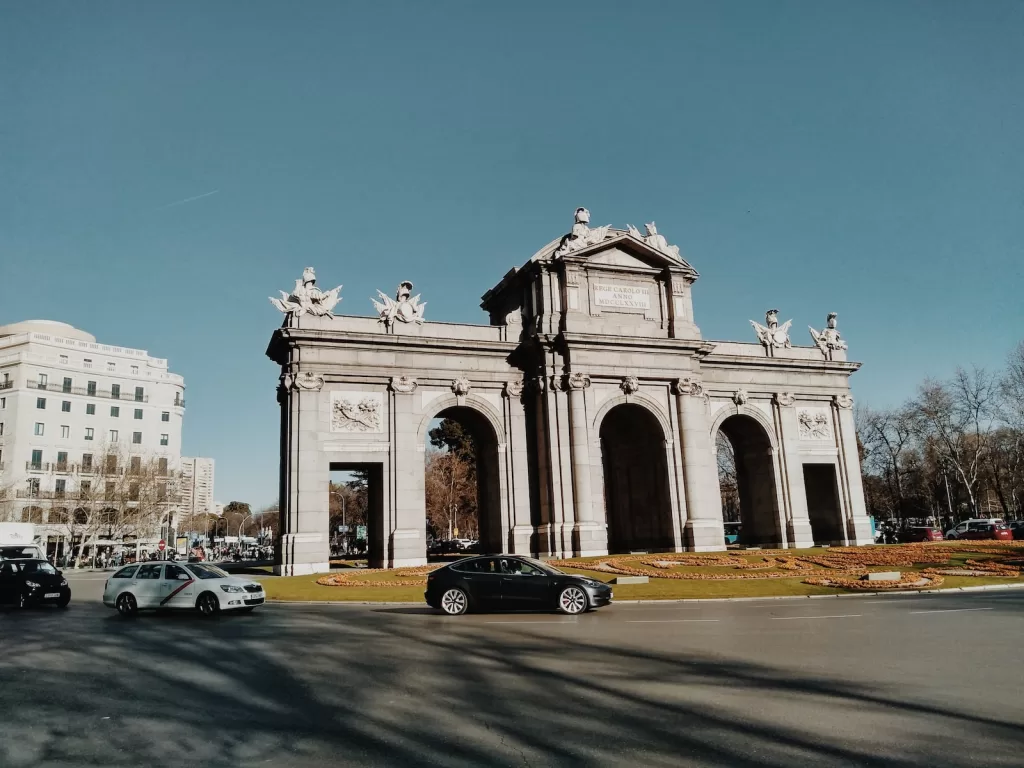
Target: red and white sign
162,545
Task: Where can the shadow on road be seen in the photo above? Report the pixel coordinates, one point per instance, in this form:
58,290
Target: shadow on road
316,687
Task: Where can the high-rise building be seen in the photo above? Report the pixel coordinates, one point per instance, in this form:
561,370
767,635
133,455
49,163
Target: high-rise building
75,414
196,486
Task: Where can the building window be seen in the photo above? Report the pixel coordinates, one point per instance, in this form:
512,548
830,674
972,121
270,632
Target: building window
41,403
37,460
112,436
133,492
33,487
115,391
40,428
165,416
108,492
65,431
111,366
1,429
63,359
140,395
65,406
161,492
87,462
161,466
111,467
136,438
138,413
87,363
163,439
66,386
90,388
62,460
90,409
115,411
3,404
88,433
85,488
136,465
42,381
59,487
135,370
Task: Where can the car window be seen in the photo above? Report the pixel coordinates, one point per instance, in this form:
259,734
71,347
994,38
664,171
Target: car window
149,571
208,571
39,566
6,569
126,573
18,553
477,565
172,572
517,567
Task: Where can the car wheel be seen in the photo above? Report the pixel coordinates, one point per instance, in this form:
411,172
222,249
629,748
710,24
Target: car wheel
208,604
454,602
64,601
572,600
126,604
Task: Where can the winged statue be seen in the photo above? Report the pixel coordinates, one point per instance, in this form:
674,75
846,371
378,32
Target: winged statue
772,335
306,298
404,308
829,338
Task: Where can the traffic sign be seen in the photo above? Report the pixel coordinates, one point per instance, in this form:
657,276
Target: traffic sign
162,545
360,531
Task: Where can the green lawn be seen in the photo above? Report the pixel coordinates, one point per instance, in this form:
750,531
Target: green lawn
305,588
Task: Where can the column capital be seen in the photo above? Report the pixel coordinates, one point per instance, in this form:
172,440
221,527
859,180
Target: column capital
403,384
575,381
688,385
784,399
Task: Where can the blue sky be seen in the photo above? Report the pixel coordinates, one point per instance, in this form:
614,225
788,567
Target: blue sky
866,158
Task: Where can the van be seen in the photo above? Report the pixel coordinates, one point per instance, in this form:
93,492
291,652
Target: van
18,542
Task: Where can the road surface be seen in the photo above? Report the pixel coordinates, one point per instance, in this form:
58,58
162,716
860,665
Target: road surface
872,681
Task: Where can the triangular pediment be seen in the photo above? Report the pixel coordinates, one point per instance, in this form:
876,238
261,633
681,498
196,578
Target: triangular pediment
624,250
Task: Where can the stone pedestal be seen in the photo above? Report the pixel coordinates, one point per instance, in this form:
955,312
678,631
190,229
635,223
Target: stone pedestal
303,553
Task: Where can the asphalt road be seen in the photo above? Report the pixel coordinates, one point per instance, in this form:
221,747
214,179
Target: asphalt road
902,681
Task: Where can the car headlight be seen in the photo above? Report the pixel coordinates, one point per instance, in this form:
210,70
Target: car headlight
31,585
231,588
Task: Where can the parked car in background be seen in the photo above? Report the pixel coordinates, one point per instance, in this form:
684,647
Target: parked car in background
1017,528
958,531
512,582
996,531
920,533
25,583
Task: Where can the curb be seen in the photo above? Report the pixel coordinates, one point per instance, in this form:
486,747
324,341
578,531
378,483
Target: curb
983,588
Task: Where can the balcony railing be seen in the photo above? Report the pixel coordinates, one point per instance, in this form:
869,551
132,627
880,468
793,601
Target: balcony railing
8,384
67,468
105,394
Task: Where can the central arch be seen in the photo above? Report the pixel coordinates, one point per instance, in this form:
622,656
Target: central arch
753,460
638,502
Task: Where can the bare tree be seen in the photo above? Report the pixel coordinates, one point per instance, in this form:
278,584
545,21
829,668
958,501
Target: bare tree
451,493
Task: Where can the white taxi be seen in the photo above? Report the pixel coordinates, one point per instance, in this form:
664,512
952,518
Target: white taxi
200,586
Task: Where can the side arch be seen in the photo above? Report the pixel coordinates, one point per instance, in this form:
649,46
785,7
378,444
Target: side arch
473,402
745,410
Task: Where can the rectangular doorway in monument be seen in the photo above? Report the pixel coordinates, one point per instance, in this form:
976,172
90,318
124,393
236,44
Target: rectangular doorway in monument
356,527
822,489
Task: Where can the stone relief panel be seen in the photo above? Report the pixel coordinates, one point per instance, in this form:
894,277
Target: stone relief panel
814,424
357,412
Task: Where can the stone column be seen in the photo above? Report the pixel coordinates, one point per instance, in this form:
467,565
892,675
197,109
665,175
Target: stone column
791,473
586,538
520,533
857,526
704,529
407,539
304,546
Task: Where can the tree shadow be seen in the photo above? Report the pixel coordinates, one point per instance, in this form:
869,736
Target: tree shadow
317,687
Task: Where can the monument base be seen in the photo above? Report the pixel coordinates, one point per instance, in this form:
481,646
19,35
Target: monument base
303,553
704,536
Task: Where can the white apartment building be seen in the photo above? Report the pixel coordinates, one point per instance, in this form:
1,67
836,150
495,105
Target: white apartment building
197,486
67,403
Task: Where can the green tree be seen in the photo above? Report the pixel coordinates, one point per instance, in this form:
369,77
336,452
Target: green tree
454,437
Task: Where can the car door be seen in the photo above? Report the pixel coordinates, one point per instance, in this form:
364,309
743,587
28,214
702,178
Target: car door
146,585
177,587
523,585
483,581
9,583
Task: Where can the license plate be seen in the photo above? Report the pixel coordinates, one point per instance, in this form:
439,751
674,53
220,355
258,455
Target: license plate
50,595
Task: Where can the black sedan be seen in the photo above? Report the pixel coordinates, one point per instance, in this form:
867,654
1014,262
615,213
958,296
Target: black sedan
512,582
31,582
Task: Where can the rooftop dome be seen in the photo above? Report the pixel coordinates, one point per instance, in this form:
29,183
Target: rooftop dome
51,327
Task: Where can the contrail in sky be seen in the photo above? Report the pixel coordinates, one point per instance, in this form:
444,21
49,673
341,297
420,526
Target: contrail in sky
188,199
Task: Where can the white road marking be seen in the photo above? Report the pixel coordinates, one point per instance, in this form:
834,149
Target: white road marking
570,621
954,610
665,621
841,616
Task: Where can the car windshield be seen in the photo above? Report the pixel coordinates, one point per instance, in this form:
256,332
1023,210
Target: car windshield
208,571
541,565
39,566
18,553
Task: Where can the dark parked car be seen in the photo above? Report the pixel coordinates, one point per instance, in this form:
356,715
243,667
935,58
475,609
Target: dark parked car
30,582
920,533
987,531
1017,528
512,582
